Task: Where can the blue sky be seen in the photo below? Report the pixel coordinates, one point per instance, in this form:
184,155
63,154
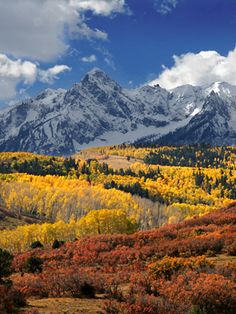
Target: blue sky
47,43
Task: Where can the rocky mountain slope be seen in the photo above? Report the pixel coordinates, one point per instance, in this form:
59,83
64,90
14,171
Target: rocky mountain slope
98,111
214,124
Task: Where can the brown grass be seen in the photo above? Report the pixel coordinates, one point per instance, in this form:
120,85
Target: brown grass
65,306
223,259
118,162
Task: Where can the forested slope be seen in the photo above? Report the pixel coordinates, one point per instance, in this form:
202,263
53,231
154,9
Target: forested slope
183,268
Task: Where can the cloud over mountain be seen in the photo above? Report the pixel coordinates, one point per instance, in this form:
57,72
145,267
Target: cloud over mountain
40,31
13,72
199,69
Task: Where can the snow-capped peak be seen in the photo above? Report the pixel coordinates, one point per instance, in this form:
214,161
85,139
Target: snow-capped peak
185,90
98,78
223,89
96,74
96,71
98,111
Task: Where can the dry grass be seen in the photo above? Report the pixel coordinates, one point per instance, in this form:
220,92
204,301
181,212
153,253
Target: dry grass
118,162
65,306
223,259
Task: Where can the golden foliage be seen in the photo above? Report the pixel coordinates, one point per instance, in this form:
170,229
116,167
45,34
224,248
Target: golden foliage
59,198
105,221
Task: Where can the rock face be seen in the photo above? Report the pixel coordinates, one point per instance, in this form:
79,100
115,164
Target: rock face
215,124
98,111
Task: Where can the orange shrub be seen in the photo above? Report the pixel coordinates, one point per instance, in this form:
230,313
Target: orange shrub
170,265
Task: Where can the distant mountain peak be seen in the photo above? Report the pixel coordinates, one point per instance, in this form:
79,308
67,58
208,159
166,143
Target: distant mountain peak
96,74
98,111
96,71
96,78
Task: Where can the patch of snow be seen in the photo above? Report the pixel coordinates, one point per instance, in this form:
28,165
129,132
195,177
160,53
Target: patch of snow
195,111
116,138
223,89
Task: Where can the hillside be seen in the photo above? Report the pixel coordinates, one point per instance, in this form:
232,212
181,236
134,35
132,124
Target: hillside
117,157
11,220
203,156
153,185
151,264
119,230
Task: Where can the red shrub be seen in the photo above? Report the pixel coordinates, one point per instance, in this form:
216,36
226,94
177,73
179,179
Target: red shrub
106,263
9,299
30,285
211,293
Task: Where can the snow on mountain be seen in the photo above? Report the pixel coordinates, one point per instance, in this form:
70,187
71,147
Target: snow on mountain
186,101
98,111
213,125
223,89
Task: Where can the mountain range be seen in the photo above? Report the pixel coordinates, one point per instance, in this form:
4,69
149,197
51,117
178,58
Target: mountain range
98,111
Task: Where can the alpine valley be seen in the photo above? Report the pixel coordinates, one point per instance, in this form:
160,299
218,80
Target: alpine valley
98,111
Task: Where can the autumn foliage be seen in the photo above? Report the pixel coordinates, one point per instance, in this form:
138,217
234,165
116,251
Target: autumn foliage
168,266
95,232
163,270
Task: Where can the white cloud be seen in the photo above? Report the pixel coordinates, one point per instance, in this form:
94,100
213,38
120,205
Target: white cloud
165,6
50,75
87,33
201,68
31,29
23,70
14,72
103,7
40,29
89,59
